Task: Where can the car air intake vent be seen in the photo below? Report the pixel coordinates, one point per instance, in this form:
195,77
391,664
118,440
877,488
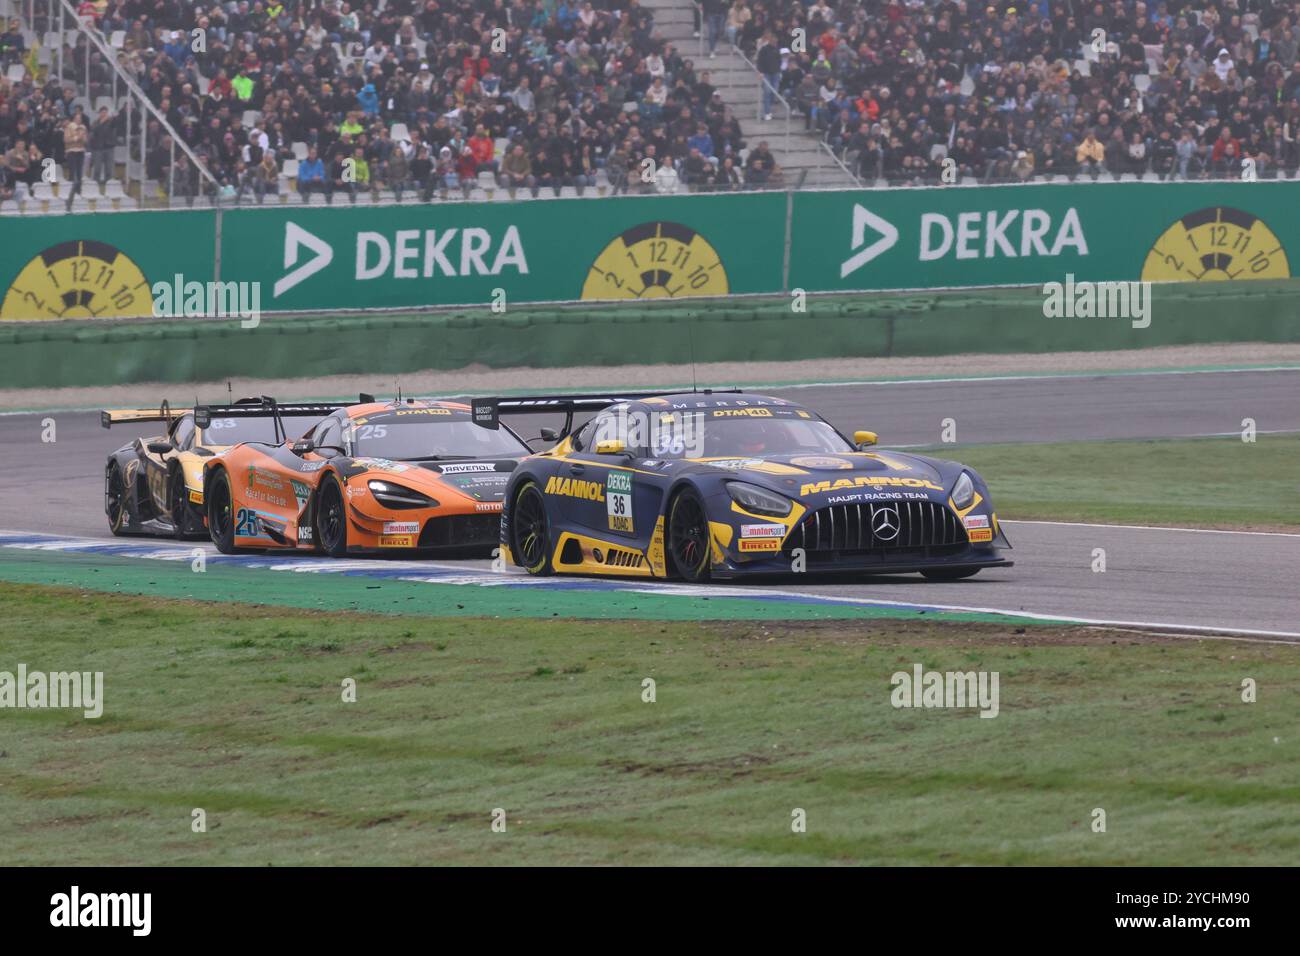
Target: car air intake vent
880,526
623,559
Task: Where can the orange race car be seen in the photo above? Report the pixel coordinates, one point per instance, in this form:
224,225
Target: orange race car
155,485
415,475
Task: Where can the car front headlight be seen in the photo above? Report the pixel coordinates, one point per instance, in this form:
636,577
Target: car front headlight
396,496
759,500
963,493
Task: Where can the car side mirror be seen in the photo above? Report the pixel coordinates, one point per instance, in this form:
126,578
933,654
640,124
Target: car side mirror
160,447
550,434
303,446
865,439
611,446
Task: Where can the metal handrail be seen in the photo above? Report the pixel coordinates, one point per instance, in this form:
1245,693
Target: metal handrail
775,92
839,162
97,38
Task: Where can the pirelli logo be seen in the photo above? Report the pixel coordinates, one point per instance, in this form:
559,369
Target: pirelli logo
575,488
866,481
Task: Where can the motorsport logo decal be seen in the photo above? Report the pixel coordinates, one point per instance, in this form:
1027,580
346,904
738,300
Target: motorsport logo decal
575,488
1215,244
656,260
618,499
80,279
866,481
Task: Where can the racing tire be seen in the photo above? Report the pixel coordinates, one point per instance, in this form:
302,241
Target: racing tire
185,523
331,523
688,537
221,511
115,501
950,574
530,539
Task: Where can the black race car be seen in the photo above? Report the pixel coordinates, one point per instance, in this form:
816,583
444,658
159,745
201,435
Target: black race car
726,484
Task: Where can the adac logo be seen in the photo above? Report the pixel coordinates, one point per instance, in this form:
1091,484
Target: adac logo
1215,244
656,260
79,279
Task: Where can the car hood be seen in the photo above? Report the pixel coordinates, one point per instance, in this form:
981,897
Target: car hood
820,479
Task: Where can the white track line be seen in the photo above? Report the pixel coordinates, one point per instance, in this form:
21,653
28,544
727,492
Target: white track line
1049,618
1189,630
1027,377
1144,527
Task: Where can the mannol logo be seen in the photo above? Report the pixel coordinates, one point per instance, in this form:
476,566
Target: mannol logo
989,234
406,254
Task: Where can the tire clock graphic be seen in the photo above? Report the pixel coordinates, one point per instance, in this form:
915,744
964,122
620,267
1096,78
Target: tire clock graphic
1216,244
656,260
80,279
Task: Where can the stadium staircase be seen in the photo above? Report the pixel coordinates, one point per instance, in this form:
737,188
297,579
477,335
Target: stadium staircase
801,155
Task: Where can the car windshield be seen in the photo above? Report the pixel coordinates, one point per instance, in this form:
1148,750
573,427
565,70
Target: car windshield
433,441
744,437
232,431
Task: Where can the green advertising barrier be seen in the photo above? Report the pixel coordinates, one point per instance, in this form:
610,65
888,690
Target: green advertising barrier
954,237
866,324
440,254
99,265
355,258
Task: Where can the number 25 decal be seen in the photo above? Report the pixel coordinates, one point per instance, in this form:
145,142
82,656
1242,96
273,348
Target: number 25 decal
246,525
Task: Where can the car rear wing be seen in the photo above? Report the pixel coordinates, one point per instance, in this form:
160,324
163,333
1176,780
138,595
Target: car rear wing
487,412
265,407
109,417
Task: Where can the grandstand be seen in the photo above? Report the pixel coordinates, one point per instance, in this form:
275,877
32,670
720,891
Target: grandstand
487,99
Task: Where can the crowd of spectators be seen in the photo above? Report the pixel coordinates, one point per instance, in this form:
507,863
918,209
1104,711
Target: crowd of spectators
1178,88
423,96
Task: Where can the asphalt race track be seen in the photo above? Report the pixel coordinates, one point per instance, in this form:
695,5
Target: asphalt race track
1235,582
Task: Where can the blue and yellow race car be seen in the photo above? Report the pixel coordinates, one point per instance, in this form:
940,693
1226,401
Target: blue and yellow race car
714,484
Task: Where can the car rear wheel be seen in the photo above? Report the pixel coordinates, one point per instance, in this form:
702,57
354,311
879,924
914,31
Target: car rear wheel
115,500
332,519
688,537
184,520
530,541
950,574
221,512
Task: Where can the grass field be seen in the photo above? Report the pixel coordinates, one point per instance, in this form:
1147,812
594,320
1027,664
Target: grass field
1198,482
237,710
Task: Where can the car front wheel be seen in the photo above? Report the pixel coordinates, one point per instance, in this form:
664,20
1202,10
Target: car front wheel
688,537
530,540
